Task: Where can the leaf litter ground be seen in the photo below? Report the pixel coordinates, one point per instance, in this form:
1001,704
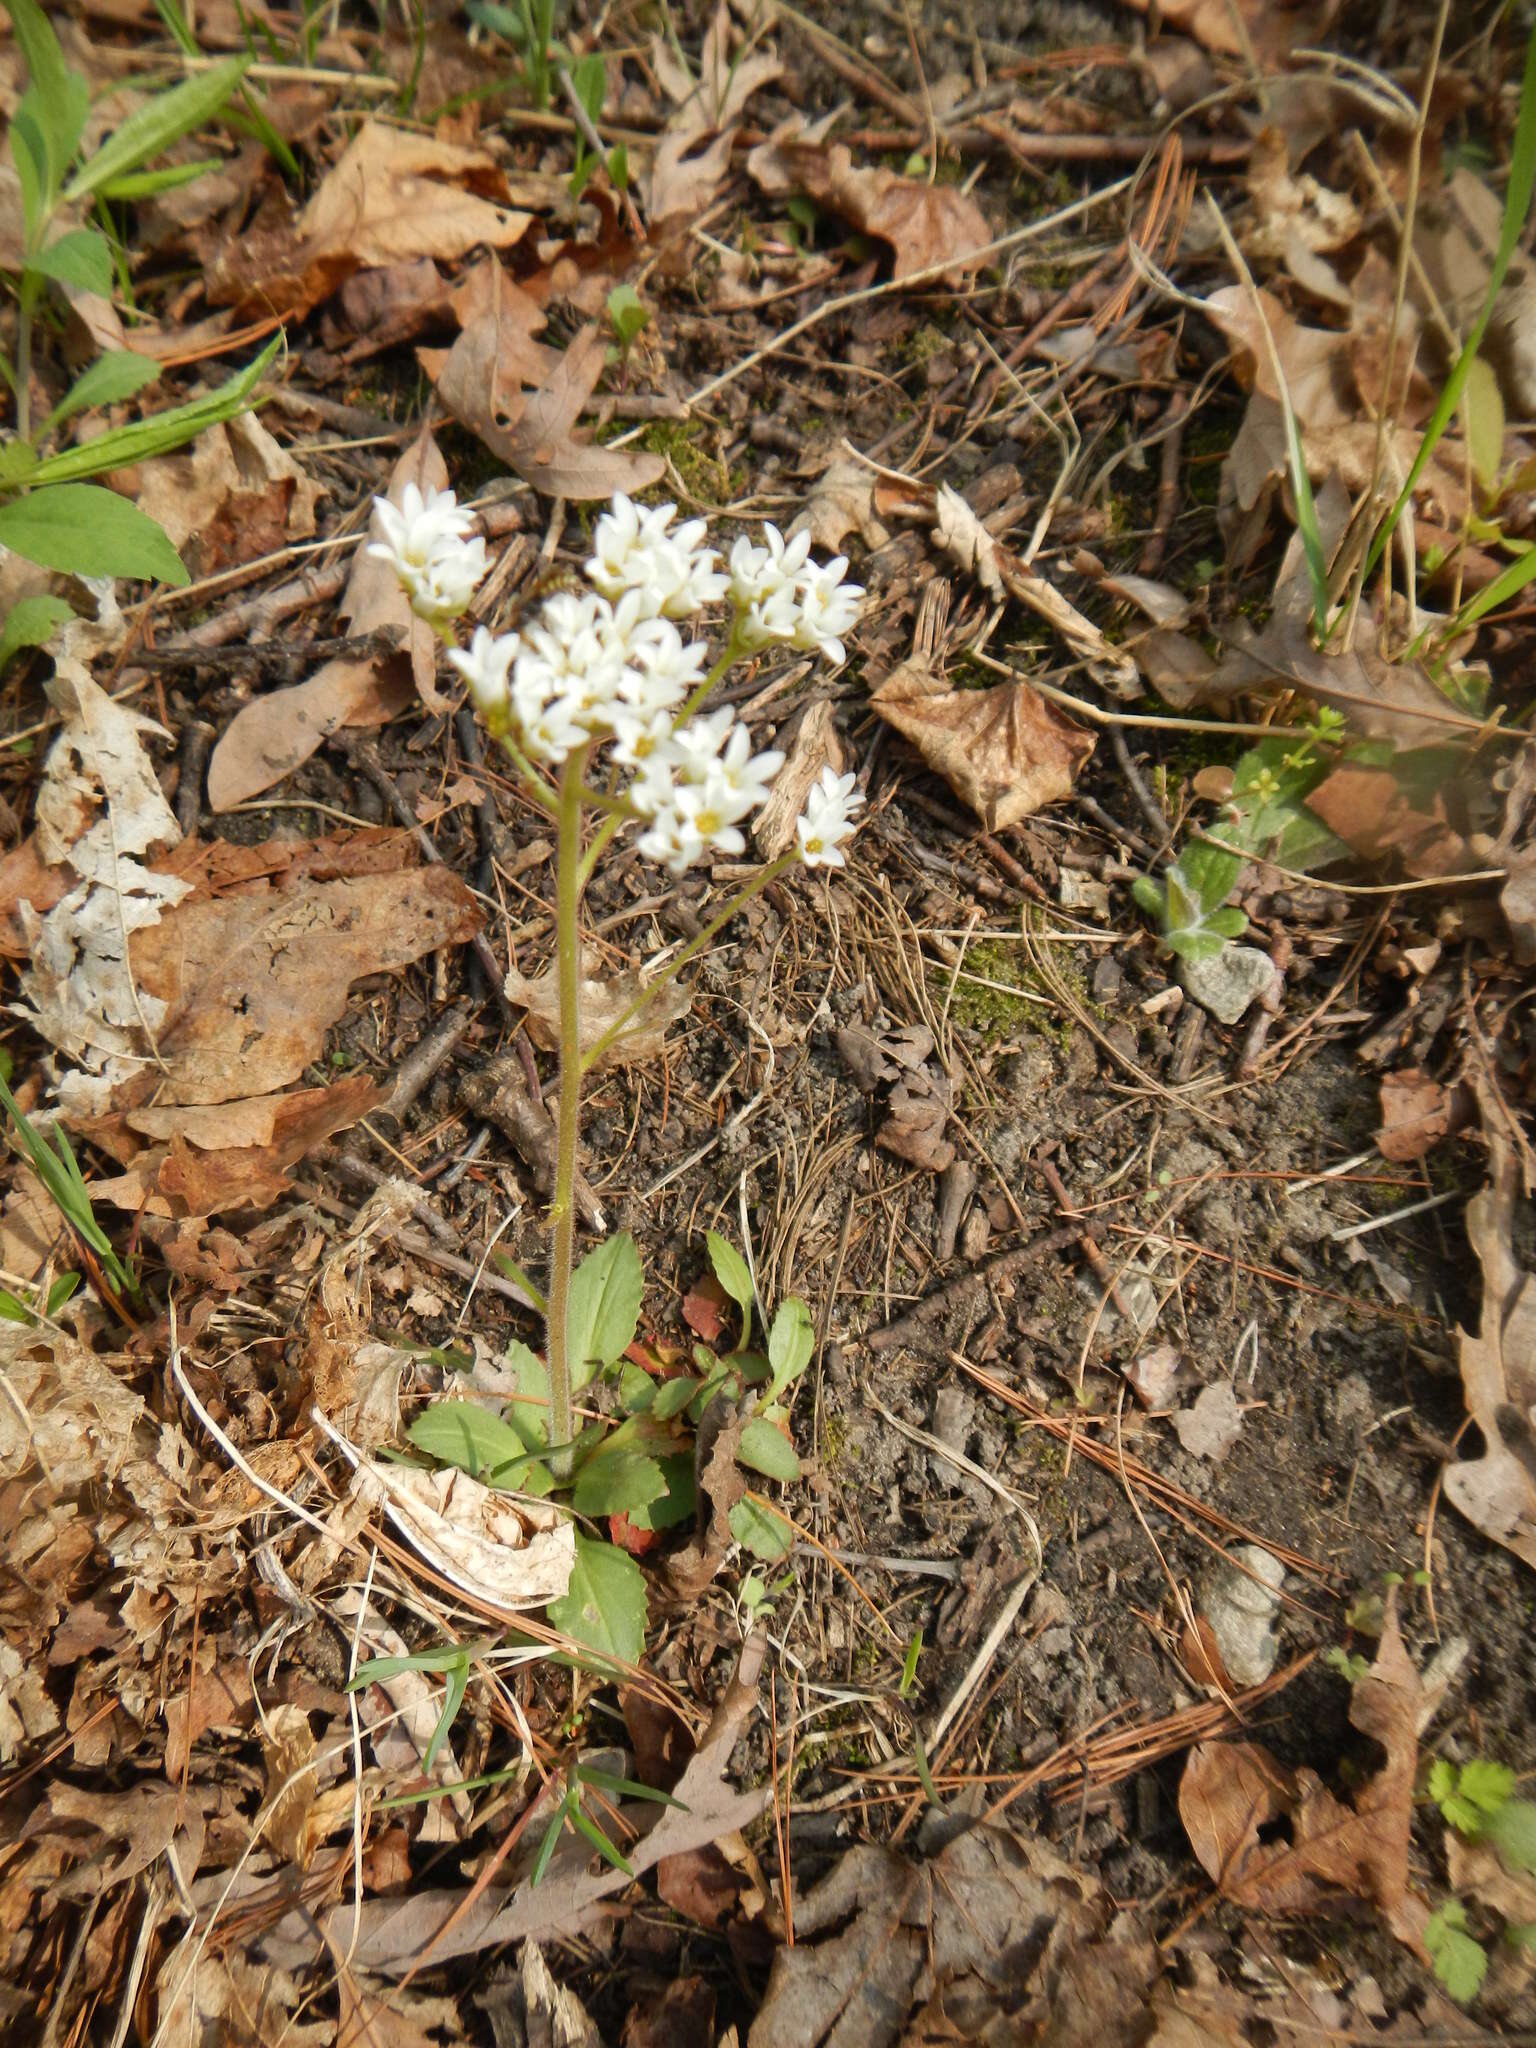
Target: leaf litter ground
961,1105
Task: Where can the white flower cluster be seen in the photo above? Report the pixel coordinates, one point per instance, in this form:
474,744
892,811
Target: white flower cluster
426,541
609,665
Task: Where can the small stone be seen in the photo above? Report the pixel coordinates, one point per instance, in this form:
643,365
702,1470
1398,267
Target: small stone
1241,1611
1229,981
974,1235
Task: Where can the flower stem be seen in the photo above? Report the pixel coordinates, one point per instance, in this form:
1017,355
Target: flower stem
568,879
694,947
733,652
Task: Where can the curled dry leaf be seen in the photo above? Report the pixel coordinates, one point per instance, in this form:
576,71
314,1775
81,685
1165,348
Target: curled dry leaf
1292,212
1211,1424
1497,1490
523,399
1379,814
693,154
1004,750
1232,1794
509,1551
278,731
603,1003
843,502
394,196
98,808
926,226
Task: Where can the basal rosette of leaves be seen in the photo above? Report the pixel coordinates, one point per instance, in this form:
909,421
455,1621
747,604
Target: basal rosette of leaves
598,703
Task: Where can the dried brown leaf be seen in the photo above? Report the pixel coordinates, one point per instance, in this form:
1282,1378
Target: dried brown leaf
810,745
603,1003
1244,28
523,401
251,982
924,225
1416,1113
1377,817
393,197
232,495
1005,750
1232,1793
278,731
693,153
1497,1490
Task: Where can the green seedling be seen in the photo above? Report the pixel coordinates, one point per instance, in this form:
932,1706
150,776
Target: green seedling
628,317
530,28
1477,1800
59,1172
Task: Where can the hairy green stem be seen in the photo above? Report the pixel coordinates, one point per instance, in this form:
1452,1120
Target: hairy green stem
691,951
26,300
568,880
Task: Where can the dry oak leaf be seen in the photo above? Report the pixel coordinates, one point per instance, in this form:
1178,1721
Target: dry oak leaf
1004,750
926,226
1376,816
522,399
1497,1491
693,152
393,197
278,731
1232,1793
251,982
993,1938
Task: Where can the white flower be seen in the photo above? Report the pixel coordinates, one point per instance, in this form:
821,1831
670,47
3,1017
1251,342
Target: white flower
426,545
827,820
663,667
484,667
745,778
696,744
634,552
547,716
768,620
673,839
760,573
829,608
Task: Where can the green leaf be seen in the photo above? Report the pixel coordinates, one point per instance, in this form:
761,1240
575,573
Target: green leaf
1460,1962
477,1442
678,1504
14,1310
31,623
39,46
84,530
604,1605
637,1390
145,184
1488,1785
586,1826
528,1412
60,1292
1512,1831
1482,415
29,154
160,433
114,376
604,1308
763,1449
1209,873
80,259
624,1788
155,126
1521,1934
456,1683
551,1836
758,1529
732,1272
616,1478
790,1344
1148,897
54,107
590,79
673,1396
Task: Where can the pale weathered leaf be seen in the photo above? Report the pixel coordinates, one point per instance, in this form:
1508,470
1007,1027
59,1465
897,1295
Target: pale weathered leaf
928,227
